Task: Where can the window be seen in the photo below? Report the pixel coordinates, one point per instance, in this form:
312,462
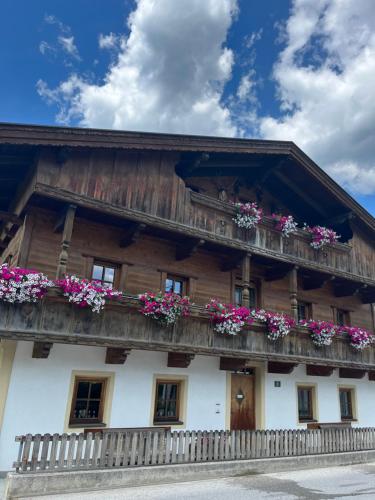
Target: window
88,401
346,404
238,296
253,295
104,272
176,285
304,310
342,317
305,403
167,401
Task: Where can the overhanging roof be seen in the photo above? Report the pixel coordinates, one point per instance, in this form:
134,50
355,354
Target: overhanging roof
70,137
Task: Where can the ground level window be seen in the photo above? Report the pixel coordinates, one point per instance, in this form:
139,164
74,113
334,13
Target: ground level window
346,404
104,272
88,401
306,403
167,401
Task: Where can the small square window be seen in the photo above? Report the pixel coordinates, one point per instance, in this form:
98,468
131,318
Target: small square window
174,284
104,272
342,317
346,403
167,401
306,397
88,401
303,310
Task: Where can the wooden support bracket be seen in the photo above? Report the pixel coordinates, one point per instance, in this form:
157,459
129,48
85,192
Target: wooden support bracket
351,373
233,262
41,349
179,359
188,248
319,370
132,234
116,355
278,272
278,367
232,364
315,282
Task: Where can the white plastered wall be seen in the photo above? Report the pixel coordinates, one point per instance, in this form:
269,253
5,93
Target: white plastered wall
39,391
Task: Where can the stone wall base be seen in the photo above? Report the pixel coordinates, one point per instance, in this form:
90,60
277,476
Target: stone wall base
44,483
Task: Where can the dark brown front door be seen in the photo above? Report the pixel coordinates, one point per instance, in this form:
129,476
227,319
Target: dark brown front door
242,414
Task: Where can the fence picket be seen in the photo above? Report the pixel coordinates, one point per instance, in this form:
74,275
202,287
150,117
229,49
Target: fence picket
44,454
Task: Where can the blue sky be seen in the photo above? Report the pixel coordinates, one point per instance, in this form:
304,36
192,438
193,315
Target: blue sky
300,70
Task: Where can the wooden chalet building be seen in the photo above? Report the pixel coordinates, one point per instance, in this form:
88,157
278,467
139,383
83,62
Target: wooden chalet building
150,212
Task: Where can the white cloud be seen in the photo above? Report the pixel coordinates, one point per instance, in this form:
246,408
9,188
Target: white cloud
326,85
110,41
45,48
169,75
68,45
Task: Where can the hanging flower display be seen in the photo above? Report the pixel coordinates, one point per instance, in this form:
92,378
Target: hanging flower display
321,236
227,318
321,332
19,285
278,324
285,224
359,337
248,215
85,293
164,307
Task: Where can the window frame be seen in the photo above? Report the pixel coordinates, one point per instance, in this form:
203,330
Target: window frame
105,264
73,422
351,391
308,307
177,278
312,403
168,420
253,285
346,316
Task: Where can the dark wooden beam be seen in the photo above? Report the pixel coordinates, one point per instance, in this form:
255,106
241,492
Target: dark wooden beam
41,349
319,370
301,192
278,272
132,234
315,282
233,262
367,295
116,355
371,376
351,373
232,364
179,359
347,288
277,367
9,217
188,247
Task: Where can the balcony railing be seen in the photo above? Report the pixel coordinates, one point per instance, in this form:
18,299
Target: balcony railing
121,325
216,217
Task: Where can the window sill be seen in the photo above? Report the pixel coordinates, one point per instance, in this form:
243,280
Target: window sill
349,420
168,422
87,426
307,421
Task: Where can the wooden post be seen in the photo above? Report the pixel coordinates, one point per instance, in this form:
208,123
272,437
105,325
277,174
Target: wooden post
65,242
293,291
246,274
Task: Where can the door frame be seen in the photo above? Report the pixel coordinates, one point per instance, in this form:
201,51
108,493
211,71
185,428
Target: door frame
260,370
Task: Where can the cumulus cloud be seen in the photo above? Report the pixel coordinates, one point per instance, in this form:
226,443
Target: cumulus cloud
325,78
68,45
169,75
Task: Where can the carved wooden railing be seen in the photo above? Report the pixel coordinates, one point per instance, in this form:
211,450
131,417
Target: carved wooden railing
121,325
217,217
130,449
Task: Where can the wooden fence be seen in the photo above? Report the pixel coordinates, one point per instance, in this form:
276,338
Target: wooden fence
137,448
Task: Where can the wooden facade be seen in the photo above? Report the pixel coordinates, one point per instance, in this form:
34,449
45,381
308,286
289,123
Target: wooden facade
154,206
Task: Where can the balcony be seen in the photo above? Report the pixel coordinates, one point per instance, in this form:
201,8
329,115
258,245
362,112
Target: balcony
120,325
